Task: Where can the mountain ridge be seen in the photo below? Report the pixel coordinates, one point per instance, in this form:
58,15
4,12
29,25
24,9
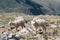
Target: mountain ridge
32,7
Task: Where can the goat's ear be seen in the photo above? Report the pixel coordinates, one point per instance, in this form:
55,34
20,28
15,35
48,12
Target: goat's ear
10,21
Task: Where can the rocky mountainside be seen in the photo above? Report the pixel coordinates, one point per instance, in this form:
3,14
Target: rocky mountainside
30,28
34,7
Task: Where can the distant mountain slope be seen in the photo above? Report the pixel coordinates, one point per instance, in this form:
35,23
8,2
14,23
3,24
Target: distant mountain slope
11,6
51,5
34,7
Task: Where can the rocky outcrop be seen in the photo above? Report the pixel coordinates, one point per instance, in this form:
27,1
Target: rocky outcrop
21,27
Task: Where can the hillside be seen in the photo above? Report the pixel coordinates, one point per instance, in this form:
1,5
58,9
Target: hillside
31,6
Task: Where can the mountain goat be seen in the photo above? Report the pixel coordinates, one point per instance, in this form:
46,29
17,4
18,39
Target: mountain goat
37,22
19,21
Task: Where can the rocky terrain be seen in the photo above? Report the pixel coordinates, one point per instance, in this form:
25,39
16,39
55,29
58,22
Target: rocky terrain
29,19
28,27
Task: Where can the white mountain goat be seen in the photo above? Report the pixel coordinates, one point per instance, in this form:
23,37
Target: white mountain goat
19,21
37,22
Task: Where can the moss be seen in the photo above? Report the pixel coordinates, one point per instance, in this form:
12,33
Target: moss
58,21
51,22
45,36
6,18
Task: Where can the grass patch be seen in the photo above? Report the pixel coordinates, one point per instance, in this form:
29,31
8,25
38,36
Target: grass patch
45,36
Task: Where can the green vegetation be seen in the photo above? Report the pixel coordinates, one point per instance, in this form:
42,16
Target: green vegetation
5,18
58,21
13,6
45,36
52,22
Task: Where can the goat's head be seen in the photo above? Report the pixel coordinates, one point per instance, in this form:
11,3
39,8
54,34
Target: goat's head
40,30
11,23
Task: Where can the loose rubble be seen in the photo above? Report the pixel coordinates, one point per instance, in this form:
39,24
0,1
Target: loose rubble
20,28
